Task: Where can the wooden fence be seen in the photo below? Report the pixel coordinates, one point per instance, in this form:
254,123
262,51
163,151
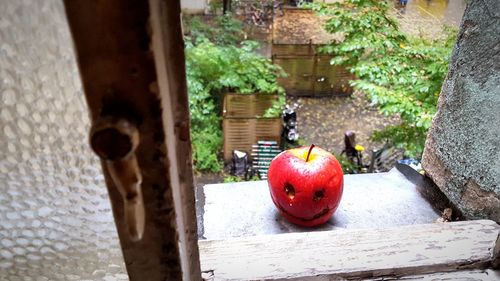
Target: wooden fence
243,124
310,73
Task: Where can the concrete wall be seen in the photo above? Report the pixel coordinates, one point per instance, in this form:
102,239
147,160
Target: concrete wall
462,153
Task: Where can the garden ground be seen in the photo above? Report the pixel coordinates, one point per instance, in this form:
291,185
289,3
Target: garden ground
323,121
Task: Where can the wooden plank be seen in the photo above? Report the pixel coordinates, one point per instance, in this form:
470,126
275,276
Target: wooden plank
462,275
285,50
242,134
131,60
403,251
168,49
247,105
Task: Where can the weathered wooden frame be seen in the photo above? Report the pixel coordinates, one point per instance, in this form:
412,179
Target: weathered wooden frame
449,249
131,60
130,55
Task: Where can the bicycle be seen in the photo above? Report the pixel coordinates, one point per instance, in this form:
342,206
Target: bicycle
381,160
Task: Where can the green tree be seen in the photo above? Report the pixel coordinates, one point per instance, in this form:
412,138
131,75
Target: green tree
212,71
400,74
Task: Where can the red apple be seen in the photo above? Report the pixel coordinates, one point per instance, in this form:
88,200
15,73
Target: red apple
306,185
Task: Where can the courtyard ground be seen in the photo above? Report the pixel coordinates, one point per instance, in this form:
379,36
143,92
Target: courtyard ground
323,121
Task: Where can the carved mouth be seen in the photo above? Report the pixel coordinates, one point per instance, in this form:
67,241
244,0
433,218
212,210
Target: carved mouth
316,216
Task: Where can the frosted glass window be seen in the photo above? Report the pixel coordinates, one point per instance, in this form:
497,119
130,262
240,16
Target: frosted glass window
55,216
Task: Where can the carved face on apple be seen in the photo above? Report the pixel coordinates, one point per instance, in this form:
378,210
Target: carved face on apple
306,185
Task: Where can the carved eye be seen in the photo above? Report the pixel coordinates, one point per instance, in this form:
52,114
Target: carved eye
318,194
290,191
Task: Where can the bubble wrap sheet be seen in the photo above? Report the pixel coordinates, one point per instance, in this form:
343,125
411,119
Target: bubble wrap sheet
55,217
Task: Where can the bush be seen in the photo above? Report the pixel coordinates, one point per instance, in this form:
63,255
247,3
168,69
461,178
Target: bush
348,167
206,147
212,71
224,30
229,178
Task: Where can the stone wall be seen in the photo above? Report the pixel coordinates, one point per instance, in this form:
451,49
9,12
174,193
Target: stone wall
462,152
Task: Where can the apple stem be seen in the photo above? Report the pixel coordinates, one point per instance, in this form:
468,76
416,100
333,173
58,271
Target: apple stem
309,152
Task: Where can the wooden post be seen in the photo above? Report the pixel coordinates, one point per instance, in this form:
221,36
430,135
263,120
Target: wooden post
315,66
226,6
130,56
